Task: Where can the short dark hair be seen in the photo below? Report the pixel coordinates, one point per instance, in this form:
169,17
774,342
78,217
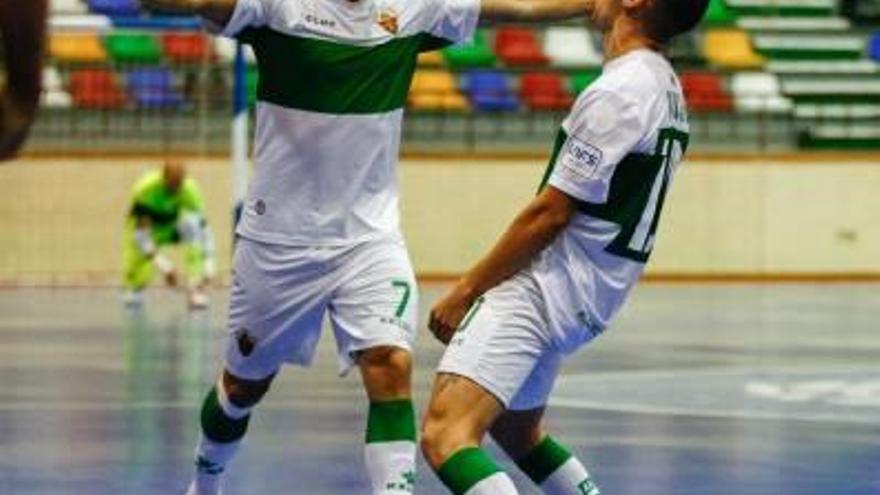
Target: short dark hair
669,18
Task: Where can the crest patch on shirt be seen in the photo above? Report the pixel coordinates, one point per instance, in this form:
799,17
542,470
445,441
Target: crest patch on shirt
581,158
388,21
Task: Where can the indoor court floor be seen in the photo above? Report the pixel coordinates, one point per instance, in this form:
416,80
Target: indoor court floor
697,389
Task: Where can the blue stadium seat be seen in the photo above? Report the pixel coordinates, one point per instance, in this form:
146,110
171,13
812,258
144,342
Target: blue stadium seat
156,79
489,91
120,8
154,88
874,48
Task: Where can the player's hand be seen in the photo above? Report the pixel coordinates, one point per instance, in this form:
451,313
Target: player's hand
446,315
15,122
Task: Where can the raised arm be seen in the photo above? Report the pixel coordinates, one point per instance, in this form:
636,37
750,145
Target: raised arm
23,33
216,11
534,10
533,230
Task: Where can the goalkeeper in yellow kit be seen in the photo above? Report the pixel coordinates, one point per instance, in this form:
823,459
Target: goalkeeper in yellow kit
167,209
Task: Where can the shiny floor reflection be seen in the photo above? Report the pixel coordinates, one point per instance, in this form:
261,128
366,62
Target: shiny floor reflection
717,390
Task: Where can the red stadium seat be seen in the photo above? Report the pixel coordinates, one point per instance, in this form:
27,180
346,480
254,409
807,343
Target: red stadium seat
545,91
185,48
519,46
705,92
96,88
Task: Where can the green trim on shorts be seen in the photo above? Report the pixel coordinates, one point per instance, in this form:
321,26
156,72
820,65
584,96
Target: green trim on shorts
466,468
543,460
391,421
471,313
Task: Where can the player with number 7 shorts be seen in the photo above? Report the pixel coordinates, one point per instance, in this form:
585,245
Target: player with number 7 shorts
320,234
565,266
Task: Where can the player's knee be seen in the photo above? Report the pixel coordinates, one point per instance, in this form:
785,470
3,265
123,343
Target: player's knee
440,438
245,393
386,371
517,433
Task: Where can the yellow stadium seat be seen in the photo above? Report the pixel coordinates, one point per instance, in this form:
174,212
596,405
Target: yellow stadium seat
456,102
430,59
433,81
426,101
731,48
77,48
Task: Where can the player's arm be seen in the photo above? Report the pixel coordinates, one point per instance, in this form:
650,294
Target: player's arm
532,231
23,34
216,11
534,10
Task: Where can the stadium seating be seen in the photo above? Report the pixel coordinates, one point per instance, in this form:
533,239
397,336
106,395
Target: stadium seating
474,54
430,59
118,8
810,47
436,90
759,92
154,88
185,48
731,49
568,46
68,7
489,91
874,48
579,81
544,91
518,46
705,92
785,8
96,89
76,48
133,48
719,14
54,95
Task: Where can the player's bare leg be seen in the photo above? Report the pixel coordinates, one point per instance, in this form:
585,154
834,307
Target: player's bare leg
460,414
547,463
225,416
391,429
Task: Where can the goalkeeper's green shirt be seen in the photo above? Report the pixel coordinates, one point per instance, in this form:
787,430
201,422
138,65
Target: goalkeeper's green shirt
152,200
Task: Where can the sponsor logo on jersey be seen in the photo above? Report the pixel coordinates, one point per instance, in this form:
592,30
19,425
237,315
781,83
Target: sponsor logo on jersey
581,158
388,21
317,21
260,207
246,343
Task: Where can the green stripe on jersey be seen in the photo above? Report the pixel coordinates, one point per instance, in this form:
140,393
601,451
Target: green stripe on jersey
331,77
561,139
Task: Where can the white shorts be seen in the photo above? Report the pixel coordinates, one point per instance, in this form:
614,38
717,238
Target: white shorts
504,346
280,295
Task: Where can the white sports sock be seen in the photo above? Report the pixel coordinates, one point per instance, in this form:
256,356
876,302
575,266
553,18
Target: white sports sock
391,466
497,484
212,456
570,478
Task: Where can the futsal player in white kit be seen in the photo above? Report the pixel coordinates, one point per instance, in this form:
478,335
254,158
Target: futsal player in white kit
559,274
320,230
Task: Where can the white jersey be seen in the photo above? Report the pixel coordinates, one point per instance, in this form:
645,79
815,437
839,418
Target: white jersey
334,78
616,154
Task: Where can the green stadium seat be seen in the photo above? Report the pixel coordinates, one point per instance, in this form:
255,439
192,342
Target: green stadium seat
788,8
841,137
810,47
719,14
477,53
133,48
579,81
832,90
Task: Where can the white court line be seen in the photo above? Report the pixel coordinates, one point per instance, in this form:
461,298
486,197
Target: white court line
599,379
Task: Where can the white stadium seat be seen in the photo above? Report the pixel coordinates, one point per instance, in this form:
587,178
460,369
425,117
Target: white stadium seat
571,47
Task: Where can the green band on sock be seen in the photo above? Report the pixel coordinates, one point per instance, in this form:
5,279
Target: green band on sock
391,421
466,468
217,426
544,460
